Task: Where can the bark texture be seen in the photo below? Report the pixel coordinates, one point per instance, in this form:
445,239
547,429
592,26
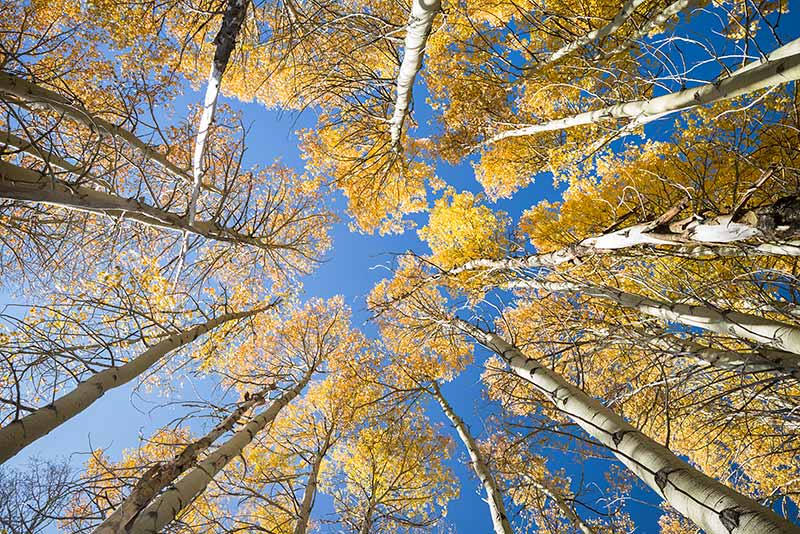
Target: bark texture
165,508
493,496
165,473
419,27
712,506
18,183
782,66
22,432
768,230
37,96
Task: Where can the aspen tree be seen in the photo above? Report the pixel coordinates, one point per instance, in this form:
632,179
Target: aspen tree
22,432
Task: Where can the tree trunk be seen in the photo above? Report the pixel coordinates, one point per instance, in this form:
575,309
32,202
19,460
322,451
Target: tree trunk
225,42
37,96
712,506
493,496
780,219
561,503
310,492
165,473
18,183
775,334
165,508
22,432
655,22
760,360
418,29
595,35
782,66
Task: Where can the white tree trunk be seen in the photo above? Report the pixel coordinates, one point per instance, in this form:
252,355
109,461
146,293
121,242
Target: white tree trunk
711,505
782,66
493,496
561,503
419,27
616,23
655,22
164,473
165,508
37,96
310,491
775,334
18,183
696,237
761,360
22,432
225,42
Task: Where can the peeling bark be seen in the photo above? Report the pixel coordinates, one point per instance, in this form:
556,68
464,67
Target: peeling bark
493,496
165,508
782,66
767,230
164,473
419,27
22,432
712,506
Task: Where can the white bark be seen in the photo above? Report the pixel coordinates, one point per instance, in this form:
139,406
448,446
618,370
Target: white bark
310,491
225,42
711,505
561,503
782,66
775,334
164,473
493,496
22,432
37,96
761,360
18,183
165,508
696,237
419,27
616,23
655,22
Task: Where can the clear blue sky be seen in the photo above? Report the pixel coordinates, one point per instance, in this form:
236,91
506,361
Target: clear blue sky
352,268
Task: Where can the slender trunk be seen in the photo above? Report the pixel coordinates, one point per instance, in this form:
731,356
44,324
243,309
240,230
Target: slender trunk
165,508
10,140
22,432
310,492
775,334
782,66
655,22
35,95
419,27
711,505
18,183
165,473
366,524
493,496
561,503
779,219
225,42
616,23
760,360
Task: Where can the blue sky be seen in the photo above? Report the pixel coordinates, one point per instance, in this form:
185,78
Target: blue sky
351,269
